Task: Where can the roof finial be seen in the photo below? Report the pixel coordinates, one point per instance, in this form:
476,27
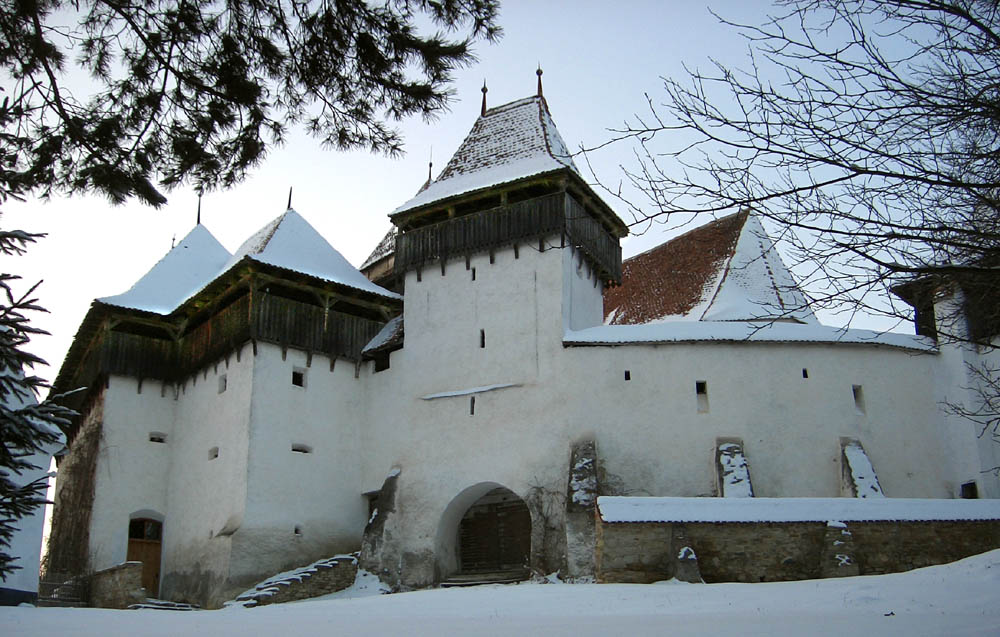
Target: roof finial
430,164
484,98
539,74
289,198
198,221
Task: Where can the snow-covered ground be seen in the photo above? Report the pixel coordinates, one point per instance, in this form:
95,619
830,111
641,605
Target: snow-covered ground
955,599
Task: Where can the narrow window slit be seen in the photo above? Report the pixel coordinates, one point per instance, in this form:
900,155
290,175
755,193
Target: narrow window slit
859,398
301,448
628,375
482,339
472,405
701,391
805,373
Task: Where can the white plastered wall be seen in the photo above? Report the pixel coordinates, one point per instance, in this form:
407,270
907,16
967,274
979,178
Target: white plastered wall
319,493
132,472
206,496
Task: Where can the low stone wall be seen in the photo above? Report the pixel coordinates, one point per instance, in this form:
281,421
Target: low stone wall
116,587
319,578
642,552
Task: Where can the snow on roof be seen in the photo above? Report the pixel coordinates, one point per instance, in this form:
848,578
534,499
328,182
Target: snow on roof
510,142
675,277
290,242
187,268
391,334
756,284
739,331
384,248
725,270
645,509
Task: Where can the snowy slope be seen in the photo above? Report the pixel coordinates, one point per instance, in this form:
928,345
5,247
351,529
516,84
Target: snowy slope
954,599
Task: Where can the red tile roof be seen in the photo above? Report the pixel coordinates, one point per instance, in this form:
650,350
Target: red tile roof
672,278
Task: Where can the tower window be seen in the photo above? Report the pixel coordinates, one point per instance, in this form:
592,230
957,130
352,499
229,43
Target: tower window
701,391
805,373
482,339
628,375
859,398
299,377
156,436
213,453
301,448
223,383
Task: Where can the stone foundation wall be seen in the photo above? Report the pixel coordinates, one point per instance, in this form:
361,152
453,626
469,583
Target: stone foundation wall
643,552
327,578
117,587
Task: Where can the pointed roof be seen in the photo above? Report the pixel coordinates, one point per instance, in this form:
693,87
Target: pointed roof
384,248
291,243
507,143
188,267
726,270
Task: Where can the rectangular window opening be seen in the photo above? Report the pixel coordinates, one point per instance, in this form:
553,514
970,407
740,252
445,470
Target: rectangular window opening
805,373
299,377
701,391
628,375
970,491
156,436
482,339
859,398
472,405
223,383
381,361
213,453
473,274
301,448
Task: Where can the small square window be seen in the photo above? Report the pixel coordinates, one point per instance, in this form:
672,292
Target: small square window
970,491
213,453
299,377
156,436
223,383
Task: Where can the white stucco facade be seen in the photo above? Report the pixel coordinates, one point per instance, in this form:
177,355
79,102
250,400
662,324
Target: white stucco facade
266,457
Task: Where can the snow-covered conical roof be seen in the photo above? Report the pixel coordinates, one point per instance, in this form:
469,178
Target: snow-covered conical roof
187,268
726,270
508,143
756,284
291,243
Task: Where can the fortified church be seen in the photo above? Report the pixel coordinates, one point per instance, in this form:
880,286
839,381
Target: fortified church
455,406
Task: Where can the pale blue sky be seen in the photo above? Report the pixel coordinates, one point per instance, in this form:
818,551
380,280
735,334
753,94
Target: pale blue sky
599,59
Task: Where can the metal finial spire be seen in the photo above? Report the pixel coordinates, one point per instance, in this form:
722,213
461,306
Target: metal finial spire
539,74
289,198
430,165
198,220
484,98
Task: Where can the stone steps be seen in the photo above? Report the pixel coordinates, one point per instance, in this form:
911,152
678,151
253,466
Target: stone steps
60,595
162,604
496,577
322,577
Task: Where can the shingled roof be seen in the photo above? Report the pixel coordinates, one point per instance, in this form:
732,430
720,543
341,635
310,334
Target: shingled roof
508,143
726,270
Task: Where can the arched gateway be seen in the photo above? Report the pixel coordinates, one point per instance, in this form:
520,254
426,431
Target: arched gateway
485,534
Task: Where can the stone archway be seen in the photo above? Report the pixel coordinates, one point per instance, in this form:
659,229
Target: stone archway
485,531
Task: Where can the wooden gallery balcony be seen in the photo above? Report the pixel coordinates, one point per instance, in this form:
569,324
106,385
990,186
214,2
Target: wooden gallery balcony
508,224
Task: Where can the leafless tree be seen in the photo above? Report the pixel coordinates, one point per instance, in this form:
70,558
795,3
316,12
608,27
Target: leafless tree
865,134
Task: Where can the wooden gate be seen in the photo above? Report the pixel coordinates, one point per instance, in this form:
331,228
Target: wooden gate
144,546
495,534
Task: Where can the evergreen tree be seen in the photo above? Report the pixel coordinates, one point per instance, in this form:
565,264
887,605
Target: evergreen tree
26,426
177,91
